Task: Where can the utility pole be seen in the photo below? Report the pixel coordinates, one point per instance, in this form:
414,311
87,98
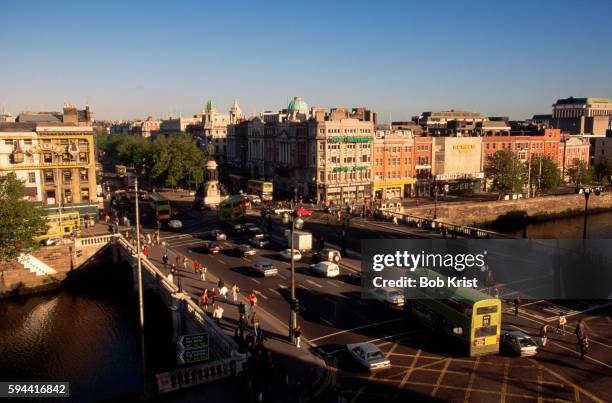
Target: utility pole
140,297
529,177
293,313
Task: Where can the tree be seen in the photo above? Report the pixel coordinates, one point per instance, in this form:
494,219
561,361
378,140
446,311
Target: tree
134,151
177,159
579,172
20,220
544,173
506,172
603,170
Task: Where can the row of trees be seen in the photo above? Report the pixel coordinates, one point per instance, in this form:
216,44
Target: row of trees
172,160
508,174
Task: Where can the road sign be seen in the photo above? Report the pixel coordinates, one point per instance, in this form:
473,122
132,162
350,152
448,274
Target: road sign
189,341
192,348
193,355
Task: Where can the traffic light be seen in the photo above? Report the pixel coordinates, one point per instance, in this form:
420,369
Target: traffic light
295,305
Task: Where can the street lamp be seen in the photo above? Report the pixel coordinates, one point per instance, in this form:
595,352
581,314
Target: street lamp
296,222
140,297
435,217
586,191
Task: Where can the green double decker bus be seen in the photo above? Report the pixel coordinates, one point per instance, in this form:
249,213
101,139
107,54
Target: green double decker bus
465,314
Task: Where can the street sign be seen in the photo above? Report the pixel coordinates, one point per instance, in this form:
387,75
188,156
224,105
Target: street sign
189,341
192,348
193,355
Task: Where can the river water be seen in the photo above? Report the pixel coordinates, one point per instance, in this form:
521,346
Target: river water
598,226
88,336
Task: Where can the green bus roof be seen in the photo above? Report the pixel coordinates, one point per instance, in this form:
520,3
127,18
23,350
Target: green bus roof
157,198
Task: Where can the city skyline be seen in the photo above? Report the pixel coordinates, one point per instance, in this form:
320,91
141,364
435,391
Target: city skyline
512,60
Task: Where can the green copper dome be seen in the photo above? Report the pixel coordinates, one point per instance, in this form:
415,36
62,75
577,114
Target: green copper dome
297,104
211,106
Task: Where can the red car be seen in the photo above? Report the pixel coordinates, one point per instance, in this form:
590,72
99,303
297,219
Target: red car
212,247
302,212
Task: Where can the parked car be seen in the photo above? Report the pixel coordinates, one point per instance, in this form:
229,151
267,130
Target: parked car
218,235
368,356
260,241
212,247
519,343
263,268
328,254
252,228
325,269
175,224
388,296
286,254
244,250
303,212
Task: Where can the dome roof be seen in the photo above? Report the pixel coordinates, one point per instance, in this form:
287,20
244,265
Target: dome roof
211,106
297,104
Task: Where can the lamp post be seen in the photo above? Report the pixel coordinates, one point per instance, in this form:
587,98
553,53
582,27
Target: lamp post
296,222
140,297
435,217
586,191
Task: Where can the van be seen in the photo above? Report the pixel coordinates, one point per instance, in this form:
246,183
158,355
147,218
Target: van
325,269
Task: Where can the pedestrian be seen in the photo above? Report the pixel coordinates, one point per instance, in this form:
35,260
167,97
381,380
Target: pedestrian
583,345
561,324
145,251
213,294
171,277
221,283
196,266
185,263
517,304
580,330
235,291
173,268
544,334
204,300
106,218
165,258
177,259
395,220
255,323
203,272
297,333
218,314
223,292
148,239
252,298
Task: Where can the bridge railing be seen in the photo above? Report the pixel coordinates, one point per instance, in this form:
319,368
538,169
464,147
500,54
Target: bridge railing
93,240
430,223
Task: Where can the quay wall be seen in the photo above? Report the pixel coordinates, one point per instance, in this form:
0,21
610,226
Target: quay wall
540,208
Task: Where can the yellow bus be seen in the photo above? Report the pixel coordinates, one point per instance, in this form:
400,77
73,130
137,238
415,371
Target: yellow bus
61,225
465,314
262,189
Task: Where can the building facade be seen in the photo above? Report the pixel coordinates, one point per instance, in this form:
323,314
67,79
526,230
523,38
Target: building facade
457,165
392,164
582,115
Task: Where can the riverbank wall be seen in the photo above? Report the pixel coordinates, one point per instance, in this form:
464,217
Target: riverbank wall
487,213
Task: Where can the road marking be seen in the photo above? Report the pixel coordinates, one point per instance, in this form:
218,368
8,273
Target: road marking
332,283
504,388
282,286
440,377
221,261
314,283
328,322
409,372
468,391
539,385
281,276
359,328
274,291
304,287
257,281
260,294
371,377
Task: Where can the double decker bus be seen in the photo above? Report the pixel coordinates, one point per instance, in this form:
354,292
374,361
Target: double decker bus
153,206
465,314
262,189
160,206
237,183
60,225
233,208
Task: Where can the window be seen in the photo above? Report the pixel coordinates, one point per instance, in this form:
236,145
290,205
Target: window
67,176
8,142
47,158
68,195
31,177
49,177
50,194
27,142
83,157
84,194
84,175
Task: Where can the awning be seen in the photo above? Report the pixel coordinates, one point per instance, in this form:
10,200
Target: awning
392,184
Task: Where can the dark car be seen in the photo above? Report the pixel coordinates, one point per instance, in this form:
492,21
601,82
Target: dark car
212,247
244,250
328,254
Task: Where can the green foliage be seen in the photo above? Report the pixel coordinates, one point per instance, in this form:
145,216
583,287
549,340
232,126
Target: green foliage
603,170
579,173
544,173
506,172
20,221
177,159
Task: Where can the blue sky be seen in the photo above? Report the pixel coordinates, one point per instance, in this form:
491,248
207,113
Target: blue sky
133,59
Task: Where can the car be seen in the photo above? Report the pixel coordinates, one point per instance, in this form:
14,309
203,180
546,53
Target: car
252,228
519,343
388,296
325,269
332,209
218,235
281,210
212,247
303,212
368,356
175,224
263,268
254,199
329,254
244,250
286,254
260,241
237,227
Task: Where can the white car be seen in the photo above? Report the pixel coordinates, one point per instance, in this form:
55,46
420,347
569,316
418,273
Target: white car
369,356
254,199
175,224
265,269
280,210
286,254
388,296
325,269
519,343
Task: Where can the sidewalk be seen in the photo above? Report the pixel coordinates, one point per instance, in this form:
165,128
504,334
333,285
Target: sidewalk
292,364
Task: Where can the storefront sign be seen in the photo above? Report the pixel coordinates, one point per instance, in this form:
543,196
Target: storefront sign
350,139
456,176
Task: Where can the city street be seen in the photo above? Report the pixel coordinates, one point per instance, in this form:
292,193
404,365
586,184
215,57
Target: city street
423,366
